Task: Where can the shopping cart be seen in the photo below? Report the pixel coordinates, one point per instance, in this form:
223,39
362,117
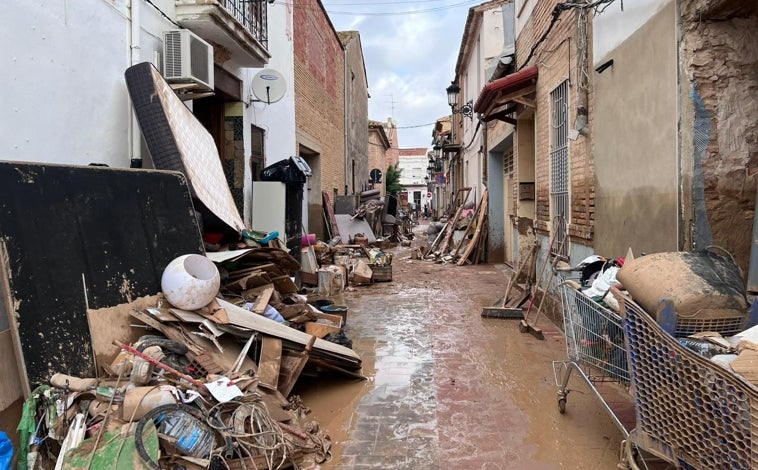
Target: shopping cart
595,346
690,411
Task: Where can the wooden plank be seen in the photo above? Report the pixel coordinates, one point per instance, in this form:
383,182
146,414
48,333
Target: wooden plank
477,232
270,361
10,307
262,296
244,319
327,204
284,285
286,385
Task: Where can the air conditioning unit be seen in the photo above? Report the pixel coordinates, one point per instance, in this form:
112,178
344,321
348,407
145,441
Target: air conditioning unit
187,59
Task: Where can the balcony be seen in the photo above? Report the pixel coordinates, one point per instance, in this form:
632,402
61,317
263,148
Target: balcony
237,29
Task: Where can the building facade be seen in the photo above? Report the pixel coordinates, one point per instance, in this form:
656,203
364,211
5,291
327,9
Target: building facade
356,114
65,99
378,144
319,107
412,164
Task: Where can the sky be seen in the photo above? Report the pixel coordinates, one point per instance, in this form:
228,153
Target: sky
410,49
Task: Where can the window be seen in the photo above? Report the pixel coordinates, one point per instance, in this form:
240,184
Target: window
508,162
559,168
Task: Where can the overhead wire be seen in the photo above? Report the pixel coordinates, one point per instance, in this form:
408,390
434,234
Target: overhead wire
295,4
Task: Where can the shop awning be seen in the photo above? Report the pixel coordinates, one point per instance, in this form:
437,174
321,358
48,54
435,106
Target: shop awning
507,90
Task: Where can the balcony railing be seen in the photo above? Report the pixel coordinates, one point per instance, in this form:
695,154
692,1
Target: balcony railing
252,14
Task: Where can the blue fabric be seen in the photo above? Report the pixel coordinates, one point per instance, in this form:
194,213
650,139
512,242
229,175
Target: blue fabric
6,452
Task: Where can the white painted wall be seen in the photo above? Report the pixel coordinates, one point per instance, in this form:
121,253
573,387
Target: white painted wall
614,26
413,169
487,43
62,86
277,119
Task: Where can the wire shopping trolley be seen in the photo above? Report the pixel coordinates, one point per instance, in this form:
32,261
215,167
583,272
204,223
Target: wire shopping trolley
595,346
690,411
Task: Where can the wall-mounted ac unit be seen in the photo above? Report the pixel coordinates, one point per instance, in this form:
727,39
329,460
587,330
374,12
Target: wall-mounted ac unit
187,59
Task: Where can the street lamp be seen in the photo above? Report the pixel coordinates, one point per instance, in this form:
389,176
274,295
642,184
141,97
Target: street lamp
452,99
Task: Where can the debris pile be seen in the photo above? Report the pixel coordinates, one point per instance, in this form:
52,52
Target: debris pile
182,386
449,247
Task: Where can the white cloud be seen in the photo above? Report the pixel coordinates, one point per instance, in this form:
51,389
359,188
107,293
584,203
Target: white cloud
410,59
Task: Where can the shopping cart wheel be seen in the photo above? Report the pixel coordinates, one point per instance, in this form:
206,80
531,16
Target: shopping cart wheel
562,405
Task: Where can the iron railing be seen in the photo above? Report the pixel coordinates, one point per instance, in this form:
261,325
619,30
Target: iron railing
252,14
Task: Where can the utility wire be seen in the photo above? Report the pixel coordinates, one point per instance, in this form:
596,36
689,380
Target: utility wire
412,2
560,8
375,13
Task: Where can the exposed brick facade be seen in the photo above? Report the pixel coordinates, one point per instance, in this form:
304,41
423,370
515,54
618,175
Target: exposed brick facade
556,58
320,91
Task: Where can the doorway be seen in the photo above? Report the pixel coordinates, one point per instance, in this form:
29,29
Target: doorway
313,218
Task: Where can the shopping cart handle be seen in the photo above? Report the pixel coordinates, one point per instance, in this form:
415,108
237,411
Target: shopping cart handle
666,315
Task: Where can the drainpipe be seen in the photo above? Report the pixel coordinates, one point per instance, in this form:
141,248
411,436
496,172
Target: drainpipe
135,137
347,108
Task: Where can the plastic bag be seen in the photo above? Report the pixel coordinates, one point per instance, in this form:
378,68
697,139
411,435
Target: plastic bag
6,452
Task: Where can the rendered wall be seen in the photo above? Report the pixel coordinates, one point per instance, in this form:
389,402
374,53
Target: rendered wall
356,153
65,101
635,141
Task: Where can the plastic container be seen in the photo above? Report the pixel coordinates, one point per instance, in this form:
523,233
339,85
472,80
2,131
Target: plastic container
190,282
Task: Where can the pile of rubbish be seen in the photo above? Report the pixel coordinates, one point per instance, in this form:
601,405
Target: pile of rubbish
447,246
199,375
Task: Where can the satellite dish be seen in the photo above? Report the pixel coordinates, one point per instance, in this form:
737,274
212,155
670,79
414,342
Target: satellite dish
269,86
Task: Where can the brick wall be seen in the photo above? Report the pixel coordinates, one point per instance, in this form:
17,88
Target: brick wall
319,89
556,58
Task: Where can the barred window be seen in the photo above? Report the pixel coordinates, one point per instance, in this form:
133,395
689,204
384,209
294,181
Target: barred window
559,167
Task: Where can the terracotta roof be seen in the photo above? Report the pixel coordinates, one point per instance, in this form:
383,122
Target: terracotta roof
504,86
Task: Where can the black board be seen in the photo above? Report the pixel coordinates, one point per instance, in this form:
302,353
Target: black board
115,229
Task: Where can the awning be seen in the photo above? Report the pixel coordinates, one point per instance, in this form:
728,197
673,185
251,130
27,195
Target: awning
510,88
177,141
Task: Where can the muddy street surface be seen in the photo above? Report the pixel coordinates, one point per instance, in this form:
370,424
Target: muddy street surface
448,389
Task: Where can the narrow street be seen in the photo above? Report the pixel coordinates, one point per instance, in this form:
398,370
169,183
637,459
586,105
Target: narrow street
449,389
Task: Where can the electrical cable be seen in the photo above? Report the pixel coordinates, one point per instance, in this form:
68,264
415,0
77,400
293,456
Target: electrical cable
390,13
556,13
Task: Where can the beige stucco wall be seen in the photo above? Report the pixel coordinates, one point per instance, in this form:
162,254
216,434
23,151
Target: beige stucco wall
635,142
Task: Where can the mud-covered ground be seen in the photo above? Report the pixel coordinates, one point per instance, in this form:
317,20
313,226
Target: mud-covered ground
448,389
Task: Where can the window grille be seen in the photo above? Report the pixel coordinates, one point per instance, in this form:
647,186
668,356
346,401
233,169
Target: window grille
559,167
508,162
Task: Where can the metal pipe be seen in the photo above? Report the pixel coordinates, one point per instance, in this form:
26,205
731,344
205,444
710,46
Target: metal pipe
135,136
159,364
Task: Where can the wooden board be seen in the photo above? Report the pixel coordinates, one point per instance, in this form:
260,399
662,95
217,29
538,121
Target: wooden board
262,296
329,210
477,233
284,285
244,319
293,367
270,361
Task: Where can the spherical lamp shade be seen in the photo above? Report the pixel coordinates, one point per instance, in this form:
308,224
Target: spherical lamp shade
190,282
